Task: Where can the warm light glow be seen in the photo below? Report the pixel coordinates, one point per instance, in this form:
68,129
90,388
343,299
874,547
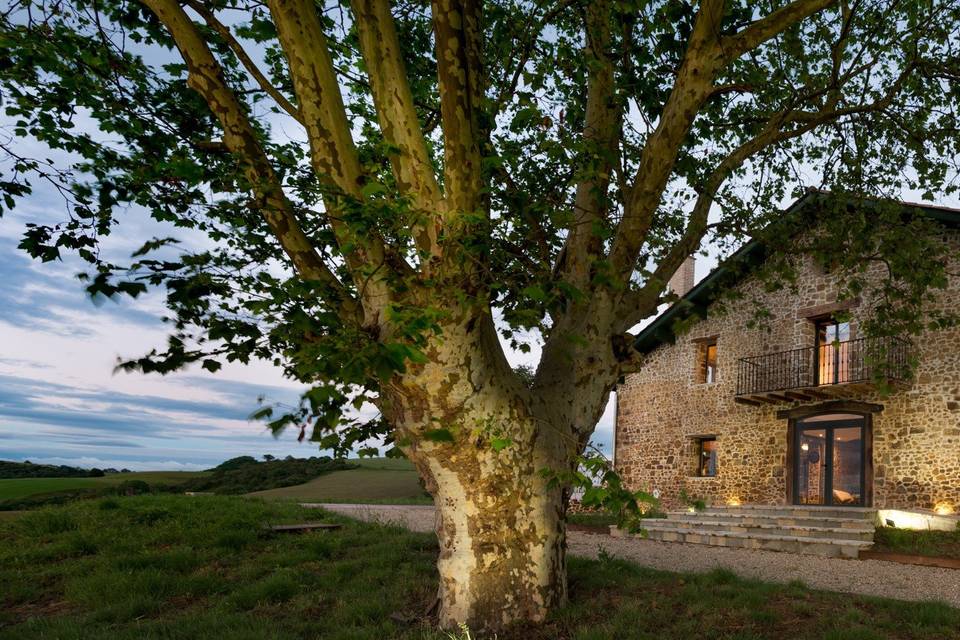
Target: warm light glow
805,446
943,509
733,502
918,519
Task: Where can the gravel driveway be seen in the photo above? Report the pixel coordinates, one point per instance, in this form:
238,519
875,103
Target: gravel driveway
867,577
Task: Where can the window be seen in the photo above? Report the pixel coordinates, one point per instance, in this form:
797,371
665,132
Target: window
707,457
707,361
833,342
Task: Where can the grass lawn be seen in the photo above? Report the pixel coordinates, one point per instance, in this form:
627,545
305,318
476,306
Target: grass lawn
175,567
11,488
378,480
942,544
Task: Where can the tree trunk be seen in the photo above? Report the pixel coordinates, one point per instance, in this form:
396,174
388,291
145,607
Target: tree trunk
480,441
502,546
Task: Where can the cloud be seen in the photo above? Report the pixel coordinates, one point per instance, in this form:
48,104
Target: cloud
48,298
89,462
152,416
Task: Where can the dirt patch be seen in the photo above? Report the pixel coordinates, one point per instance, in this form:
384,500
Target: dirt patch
24,611
907,558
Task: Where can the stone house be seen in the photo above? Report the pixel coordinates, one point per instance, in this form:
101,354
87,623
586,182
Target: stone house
790,413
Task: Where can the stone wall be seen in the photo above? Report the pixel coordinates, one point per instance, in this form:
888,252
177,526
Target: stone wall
661,410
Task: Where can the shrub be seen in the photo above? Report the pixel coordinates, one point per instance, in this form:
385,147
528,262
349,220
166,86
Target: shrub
132,488
27,469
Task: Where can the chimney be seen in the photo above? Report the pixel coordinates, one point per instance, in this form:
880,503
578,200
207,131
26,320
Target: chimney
682,281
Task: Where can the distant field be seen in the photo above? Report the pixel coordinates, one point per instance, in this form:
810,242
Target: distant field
22,487
377,480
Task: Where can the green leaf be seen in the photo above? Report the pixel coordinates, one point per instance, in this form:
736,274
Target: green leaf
438,435
262,413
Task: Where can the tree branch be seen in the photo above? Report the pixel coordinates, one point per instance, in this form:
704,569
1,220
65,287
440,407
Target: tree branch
759,31
636,305
692,87
211,19
601,135
333,154
397,115
525,51
206,78
458,34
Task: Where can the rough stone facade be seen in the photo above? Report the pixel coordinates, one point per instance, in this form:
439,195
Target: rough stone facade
662,409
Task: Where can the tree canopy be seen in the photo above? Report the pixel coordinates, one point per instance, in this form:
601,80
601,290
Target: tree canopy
349,165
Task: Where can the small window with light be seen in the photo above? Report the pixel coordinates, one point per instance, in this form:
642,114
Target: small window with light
707,457
707,361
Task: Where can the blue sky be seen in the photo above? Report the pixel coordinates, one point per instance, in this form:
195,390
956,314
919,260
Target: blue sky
60,400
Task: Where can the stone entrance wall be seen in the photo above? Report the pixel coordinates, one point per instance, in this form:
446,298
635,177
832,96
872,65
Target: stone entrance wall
662,410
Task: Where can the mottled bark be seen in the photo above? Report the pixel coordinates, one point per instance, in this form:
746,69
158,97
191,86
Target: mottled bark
502,539
500,524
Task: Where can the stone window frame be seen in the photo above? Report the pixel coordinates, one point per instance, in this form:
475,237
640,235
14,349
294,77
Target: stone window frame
696,443
701,345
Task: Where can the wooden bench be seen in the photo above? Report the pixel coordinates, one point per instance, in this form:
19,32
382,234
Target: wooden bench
300,528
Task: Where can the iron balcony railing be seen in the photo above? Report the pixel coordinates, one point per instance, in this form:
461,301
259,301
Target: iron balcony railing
861,360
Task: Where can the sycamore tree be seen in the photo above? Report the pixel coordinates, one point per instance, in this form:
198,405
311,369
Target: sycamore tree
398,194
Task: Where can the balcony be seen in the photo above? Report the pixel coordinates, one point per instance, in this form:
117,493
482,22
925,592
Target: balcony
812,372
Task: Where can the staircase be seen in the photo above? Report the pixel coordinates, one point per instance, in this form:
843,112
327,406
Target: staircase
837,532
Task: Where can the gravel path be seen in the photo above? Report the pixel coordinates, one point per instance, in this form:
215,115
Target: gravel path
867,577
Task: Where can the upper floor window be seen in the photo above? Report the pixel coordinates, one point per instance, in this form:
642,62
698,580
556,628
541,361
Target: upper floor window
831,331
833,352
707,361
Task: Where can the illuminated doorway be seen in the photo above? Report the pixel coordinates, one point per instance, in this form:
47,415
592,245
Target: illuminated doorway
829,460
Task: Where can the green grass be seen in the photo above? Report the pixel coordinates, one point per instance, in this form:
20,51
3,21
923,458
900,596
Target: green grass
942,544
378,480
174,567
22,487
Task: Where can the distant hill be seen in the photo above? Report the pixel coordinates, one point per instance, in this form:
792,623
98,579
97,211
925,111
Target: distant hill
374,480
246,474
9,469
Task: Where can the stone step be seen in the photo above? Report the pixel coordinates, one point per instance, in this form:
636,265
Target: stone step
861,533
757,518
797,511
828,547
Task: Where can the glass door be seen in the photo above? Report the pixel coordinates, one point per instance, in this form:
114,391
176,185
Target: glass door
846,466
811,466
829,460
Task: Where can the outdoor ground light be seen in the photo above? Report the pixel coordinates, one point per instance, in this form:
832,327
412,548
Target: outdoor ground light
943,509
